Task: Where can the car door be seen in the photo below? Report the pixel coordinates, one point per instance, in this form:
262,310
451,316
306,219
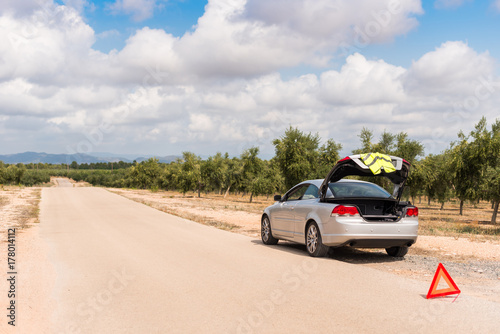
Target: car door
302,210
283,217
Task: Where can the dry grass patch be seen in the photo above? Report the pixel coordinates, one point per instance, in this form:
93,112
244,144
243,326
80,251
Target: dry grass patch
29,213
475,221
187,215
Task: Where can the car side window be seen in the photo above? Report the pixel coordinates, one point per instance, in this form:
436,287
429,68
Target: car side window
312,192
297,193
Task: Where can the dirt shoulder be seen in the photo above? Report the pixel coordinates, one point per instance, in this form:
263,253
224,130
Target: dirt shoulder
18,208
33,273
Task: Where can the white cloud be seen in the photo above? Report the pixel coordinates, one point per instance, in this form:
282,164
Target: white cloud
139,9
44,48
25,7
327,20
451,69
200,123
361,81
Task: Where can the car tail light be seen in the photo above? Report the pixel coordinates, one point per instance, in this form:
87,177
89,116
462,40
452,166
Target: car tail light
343,210
412,212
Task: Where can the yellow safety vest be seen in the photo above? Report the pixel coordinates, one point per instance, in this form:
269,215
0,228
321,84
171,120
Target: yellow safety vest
378,161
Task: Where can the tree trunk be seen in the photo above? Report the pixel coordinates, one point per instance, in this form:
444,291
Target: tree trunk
492,204
199,190
442,206
227,191
428,201
251,197
419,199
495,211
461,207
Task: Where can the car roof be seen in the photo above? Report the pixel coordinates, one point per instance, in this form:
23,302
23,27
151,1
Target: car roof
318,182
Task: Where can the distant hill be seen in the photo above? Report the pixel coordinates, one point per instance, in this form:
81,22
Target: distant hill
36,157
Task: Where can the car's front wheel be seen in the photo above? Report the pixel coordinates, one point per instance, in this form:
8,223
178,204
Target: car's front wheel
266,232
397,251
314,244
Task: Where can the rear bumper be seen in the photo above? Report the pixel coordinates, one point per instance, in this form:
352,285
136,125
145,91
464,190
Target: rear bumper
358,233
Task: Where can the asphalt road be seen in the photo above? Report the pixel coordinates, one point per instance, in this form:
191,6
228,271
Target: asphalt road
123,267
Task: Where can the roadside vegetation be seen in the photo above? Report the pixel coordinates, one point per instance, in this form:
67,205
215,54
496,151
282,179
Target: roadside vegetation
465,175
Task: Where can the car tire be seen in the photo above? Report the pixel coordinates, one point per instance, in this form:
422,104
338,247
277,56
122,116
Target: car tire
314,244
397,251
266,232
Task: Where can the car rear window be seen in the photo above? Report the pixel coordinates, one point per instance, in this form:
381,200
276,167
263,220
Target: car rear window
357,189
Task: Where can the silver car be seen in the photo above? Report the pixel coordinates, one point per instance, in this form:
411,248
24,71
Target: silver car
337,212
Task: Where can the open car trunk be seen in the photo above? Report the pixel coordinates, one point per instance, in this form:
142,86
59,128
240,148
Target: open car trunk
376,209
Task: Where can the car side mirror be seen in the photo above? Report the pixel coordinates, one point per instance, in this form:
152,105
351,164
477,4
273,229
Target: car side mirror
277,198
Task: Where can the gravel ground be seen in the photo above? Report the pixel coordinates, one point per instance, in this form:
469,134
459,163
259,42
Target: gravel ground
474,276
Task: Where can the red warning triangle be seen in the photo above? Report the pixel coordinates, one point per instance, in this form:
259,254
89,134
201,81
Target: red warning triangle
452,287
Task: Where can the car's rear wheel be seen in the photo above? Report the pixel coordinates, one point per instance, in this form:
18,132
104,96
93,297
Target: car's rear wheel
397,251
314,244
266,232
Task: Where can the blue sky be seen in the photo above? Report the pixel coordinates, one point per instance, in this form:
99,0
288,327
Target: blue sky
166,76
175,17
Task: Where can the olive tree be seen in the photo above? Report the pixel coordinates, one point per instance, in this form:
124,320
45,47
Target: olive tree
297,155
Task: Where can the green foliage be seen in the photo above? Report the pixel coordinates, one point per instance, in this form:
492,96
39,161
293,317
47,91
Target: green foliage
213,172
474,161
233,177
297,155
144,175
190,176
469,157
328,157
434,177
254,180
12,174
392,144
32,177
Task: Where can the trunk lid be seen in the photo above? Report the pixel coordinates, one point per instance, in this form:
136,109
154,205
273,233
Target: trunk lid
372,165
